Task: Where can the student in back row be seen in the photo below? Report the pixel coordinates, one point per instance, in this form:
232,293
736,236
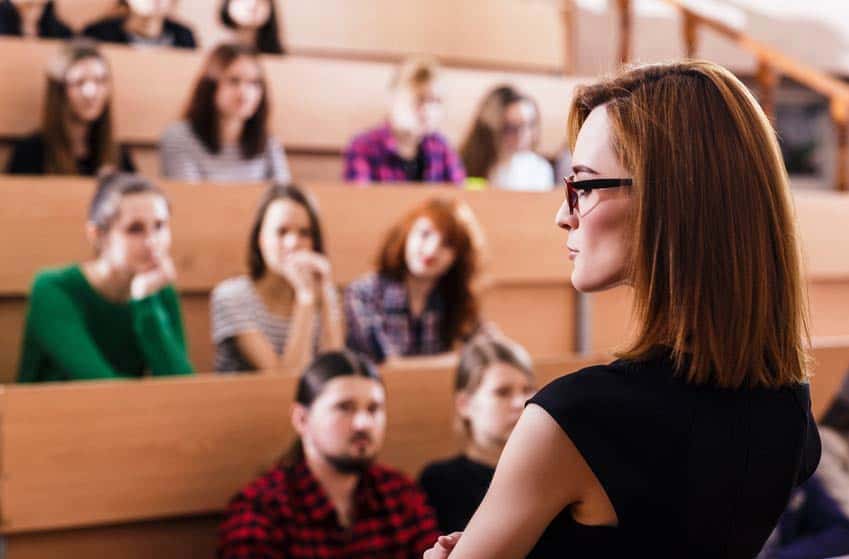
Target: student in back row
32,18
408,147
118,314
143,23
254,24
225,135
288,308
77,136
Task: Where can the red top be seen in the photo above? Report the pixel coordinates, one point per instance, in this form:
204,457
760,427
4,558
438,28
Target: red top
286,514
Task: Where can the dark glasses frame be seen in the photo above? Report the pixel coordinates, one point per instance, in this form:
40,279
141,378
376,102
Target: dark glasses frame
572,187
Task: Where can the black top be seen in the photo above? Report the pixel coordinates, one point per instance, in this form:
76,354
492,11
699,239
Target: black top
49,25
28,158
692,471
414,168
454,489
112,31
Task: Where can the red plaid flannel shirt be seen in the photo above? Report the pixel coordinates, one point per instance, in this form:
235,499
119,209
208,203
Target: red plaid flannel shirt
286,514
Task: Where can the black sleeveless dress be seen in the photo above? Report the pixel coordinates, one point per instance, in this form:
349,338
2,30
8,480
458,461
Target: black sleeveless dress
692,471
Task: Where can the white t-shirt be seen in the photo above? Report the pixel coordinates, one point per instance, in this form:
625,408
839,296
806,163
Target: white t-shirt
524,171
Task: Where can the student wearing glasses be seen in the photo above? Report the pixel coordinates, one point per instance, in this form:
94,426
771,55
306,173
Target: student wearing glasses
690,444
501,145
77,135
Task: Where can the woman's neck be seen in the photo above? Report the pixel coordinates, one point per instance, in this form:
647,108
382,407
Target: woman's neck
78,137
487,455
230,130
407,143
147,27
246,36
112,284
30,16
418,290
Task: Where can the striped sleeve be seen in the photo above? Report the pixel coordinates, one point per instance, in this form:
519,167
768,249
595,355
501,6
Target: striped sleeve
231,310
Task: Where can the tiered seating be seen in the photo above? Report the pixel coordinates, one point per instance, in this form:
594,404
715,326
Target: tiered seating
318,104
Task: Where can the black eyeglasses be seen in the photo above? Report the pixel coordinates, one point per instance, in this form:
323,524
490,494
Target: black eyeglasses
572,187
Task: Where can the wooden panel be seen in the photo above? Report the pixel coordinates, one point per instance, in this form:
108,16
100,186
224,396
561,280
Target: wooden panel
91,453
12,317
830,365
308,116
503,33
173,538
211,225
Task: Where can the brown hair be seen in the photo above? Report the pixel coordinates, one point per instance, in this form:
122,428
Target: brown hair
111,189
59,157
256,263
202,113
414,72
480,148
716,265
267,36
461,303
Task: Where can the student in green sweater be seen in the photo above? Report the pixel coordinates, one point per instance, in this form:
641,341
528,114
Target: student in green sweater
117,315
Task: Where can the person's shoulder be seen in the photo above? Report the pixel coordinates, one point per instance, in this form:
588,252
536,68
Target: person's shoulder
32,143
270,491
179,131
52,278
588,389
441,469
106,28
366,284
232,288
183,34
368,140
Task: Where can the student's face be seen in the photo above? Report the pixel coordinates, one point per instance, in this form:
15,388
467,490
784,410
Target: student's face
139,236
425,252
418,109
517,128
150,8
346,424
88,87
597,240
493,409
239,90
250,14
285,230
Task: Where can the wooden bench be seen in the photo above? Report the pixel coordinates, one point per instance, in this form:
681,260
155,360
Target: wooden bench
530,296
136,469
476,33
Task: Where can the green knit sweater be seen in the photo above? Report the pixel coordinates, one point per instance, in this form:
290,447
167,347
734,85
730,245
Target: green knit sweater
73,333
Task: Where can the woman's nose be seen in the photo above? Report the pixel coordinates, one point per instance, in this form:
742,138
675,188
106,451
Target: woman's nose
565,219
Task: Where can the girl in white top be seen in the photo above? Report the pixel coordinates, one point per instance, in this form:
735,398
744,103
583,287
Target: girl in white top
224,136
500,146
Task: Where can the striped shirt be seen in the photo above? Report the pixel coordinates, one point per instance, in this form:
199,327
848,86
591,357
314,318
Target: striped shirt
184,157
236,308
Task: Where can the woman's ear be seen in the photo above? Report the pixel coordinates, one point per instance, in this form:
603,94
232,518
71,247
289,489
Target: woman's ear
461,404
299,418
94,235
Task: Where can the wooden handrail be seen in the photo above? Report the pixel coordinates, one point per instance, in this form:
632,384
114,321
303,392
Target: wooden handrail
772,64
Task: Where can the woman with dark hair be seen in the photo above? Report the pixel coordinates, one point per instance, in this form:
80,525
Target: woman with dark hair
76,135
690,444
288,308
421,300
494,379
254,23
146,23
117,315
32,18
500,146
224,136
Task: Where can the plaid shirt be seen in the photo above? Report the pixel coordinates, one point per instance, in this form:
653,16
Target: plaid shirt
286,514
380,324
373,157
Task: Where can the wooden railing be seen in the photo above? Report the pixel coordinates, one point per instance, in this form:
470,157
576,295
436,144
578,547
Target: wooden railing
772,65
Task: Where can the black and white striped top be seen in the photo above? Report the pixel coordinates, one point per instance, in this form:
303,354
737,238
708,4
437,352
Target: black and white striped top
236,308
184,157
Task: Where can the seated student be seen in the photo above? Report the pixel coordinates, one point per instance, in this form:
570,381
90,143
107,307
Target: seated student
254,24
421,300
494,380
816,522
76,136
146,23
500,146
328,498
32,18
224,136
275,318
407,147
117,315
